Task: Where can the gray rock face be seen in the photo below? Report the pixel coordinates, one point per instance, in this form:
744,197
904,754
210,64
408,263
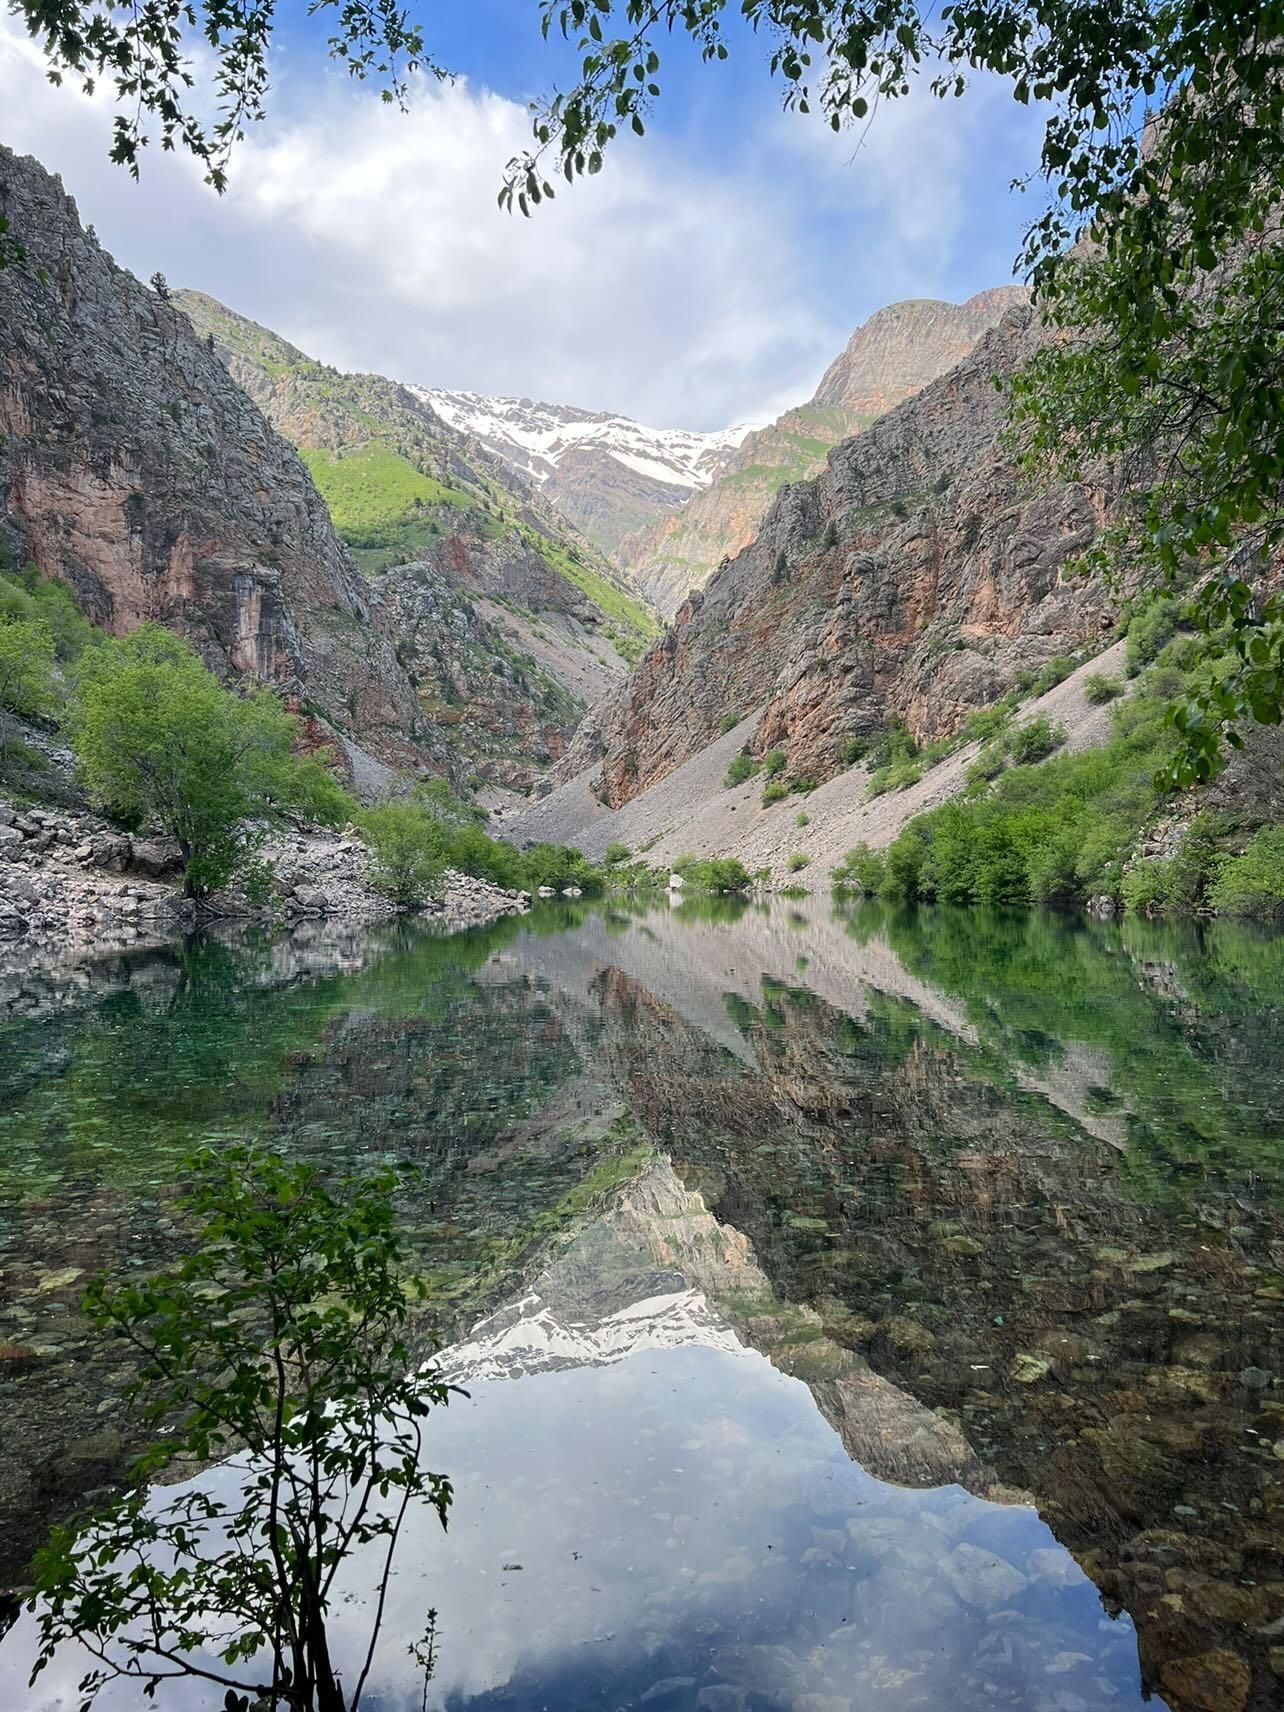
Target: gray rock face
133,468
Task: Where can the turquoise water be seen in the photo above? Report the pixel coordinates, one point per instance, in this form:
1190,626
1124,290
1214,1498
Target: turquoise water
858,1309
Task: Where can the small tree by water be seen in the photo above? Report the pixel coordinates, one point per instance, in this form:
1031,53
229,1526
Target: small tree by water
280,1343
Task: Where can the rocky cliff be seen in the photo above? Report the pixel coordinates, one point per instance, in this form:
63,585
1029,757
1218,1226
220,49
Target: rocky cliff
916,578
403,484
133,468
889,358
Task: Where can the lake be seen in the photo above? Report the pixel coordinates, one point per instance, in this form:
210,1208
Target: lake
859,1309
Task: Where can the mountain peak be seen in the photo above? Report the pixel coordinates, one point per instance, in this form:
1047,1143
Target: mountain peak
606,472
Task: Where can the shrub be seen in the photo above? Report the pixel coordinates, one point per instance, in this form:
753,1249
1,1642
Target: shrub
861,870
985,723
1057,832
1144,886
26,667
1253,882
728,723
279,1348
1035,740
407,863
713,873
773,791
773,763
854,750
159,741
802,820
1150,629
741,768
616,854
1098,689
803,785
25,594
897,777
797,862
1057,670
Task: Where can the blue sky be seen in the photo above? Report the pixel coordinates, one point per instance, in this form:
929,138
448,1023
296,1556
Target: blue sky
707,276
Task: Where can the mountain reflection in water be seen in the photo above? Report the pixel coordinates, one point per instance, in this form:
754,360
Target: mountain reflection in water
822,1283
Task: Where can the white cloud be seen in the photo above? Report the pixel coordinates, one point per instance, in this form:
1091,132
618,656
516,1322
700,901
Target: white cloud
665,289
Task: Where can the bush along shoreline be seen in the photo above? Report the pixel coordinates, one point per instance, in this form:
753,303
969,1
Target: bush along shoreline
1067,831
140,797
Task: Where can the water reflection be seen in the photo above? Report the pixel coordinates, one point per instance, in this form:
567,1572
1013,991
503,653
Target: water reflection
957,1217
650,1512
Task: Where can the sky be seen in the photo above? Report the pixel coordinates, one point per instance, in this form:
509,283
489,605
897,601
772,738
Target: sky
706,277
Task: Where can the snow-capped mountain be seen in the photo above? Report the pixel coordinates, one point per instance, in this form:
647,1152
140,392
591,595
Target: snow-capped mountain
532,1336
609,474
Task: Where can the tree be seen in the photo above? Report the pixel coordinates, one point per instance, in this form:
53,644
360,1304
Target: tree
407,855
280,1341
159,741
26,665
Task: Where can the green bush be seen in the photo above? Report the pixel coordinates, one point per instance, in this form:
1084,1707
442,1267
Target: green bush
1057,670
1098,689
854,750
774,791
713,873
741,768
26,667
1034,741
1057,832
407,859
861,870
897,777
1144,887
1253,882
773,763
797,862
159,742
729,723
803,785
616,854
43,601
801,820
1150,629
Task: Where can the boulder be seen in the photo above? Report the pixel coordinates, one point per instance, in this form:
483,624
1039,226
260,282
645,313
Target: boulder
111,851
312,899
157,857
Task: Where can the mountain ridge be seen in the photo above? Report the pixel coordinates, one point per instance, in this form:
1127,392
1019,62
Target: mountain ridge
891,356
605,471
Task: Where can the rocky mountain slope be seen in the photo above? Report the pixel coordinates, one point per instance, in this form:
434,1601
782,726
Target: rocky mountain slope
135,468
918,578
608,474
888,359
404,485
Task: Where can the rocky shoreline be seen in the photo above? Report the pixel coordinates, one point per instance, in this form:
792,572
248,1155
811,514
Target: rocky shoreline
70,881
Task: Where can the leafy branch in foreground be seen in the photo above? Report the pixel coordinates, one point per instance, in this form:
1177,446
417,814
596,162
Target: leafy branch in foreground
280,1343
148,54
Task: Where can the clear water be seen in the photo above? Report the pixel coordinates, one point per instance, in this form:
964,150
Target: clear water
858,1309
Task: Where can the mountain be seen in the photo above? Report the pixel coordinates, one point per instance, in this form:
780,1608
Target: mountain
133,468
608,474
918,578
136,468
889,358
403,484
